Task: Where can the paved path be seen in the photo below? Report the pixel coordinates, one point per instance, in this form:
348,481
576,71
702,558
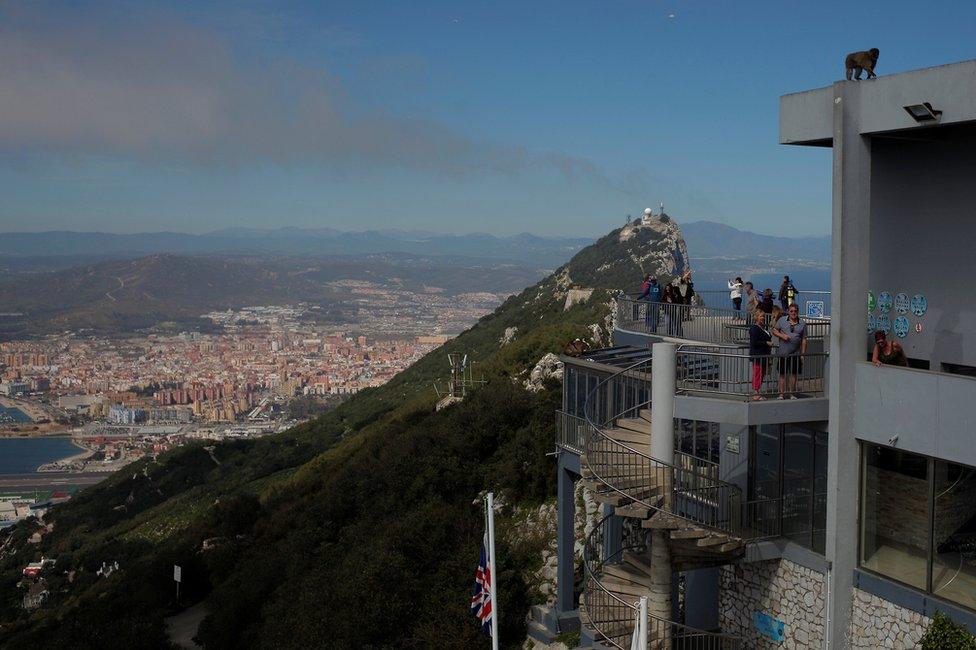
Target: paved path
183,627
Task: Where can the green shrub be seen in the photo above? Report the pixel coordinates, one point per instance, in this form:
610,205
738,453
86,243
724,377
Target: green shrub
946,634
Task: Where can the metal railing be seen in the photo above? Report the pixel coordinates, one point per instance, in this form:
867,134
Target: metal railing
722,298
728,371
569,431
612,616
676,490
699,322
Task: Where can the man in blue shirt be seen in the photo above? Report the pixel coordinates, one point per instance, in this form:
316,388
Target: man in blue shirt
651,291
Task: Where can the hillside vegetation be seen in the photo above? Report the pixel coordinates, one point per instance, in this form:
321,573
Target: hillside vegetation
360,529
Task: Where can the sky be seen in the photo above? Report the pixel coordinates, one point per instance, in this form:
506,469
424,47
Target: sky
552,117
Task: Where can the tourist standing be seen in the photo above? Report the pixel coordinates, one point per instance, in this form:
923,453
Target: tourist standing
766,302
735,293
651,292
787,293
760,344
792,335
672,310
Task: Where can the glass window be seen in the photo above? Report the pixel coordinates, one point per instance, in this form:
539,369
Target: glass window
570,405
895,515
954,534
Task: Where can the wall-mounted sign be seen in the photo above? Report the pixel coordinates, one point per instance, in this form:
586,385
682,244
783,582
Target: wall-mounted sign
884,302
919,304
872,301
732,444
901,303
872,323
900,326
884,324
815,308
768,626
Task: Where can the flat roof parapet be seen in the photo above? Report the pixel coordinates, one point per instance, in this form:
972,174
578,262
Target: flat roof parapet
878,105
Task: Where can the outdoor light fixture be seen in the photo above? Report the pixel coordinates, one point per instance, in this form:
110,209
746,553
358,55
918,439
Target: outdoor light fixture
923,112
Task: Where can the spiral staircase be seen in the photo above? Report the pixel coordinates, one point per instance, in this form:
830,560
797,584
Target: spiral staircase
668,519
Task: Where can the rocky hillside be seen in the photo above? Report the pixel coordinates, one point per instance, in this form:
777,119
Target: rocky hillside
360,529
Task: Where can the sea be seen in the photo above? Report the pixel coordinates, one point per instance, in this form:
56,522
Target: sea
24,455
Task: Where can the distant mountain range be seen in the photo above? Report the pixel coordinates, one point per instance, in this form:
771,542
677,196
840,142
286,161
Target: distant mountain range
124,295
524,248
711,239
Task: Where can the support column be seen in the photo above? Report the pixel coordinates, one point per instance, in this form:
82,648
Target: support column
663,386
565,540
664,383
849,285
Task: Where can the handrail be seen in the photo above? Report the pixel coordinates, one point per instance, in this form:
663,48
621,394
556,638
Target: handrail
602,606
672,481
683,493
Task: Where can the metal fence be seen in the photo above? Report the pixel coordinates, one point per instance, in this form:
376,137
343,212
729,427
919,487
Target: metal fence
569,431
721,298
729,372
700,322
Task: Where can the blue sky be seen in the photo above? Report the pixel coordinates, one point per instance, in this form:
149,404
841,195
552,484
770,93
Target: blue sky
501,117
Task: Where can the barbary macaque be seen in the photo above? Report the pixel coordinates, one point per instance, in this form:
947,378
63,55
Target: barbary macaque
856,62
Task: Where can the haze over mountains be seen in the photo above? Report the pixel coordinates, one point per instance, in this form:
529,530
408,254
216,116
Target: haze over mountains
711,239
543,251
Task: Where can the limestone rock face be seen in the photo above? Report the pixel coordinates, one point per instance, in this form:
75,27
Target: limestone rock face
509,335
669,254
549,366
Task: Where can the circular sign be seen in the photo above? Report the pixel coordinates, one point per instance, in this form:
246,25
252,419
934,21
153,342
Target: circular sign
884,324
919,304
872,322
901,327
872,301
901,303
884,302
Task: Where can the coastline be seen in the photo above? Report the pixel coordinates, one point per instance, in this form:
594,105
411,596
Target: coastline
58,464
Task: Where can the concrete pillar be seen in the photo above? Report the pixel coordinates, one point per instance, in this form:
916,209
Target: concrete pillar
663,386
565,540
849,285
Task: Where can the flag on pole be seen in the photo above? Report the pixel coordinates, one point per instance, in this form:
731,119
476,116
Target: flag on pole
481,605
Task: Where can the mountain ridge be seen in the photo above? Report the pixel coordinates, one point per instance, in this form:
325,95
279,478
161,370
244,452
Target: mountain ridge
359,529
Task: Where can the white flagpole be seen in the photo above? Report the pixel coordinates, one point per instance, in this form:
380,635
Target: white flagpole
494,570
643,623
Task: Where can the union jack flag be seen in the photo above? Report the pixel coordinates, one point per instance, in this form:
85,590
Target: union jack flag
481,598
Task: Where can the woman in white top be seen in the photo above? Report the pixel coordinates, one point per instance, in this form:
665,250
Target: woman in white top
735,293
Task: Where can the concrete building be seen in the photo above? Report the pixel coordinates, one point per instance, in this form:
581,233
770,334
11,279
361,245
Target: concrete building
845,518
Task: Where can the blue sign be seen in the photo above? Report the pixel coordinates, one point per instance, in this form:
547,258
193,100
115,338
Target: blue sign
884,302
884,324
768,626
815,308
872,322
901,327
901,303
919,304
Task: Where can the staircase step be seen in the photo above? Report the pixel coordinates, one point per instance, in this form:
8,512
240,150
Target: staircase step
629,573
623,589
733,545
629,438
633,510
639,562
714,540
664,521
638,425
613,498
689,533
645,414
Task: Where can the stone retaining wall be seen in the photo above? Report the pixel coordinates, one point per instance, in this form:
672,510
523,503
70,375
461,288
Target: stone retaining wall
781,589
878,623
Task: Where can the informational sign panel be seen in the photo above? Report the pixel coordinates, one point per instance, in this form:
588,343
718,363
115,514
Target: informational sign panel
884,302
815,308
919,305
177,573
901,303
872,301
901,326
769,627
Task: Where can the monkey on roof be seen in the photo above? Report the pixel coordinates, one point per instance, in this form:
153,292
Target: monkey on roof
856,62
